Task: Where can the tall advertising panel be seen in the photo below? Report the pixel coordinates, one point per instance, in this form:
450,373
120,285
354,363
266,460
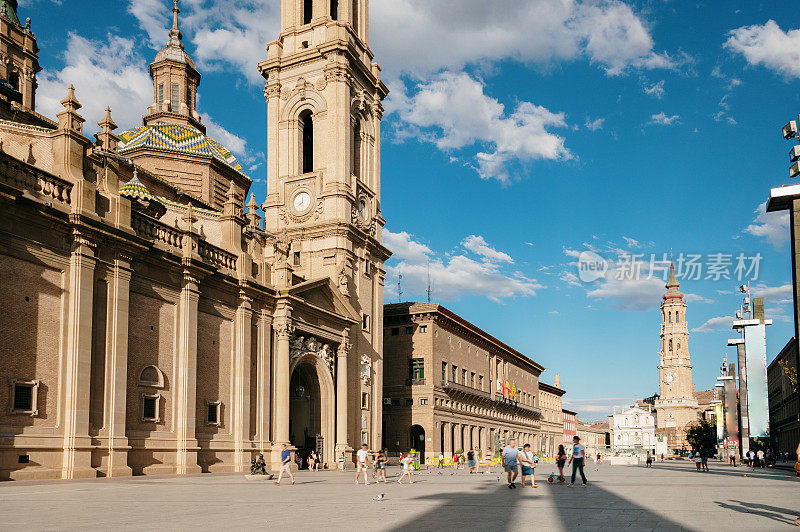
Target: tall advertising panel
731,413
755,345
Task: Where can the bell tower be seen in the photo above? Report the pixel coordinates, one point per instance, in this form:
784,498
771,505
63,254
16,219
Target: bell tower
20,61
323,202
677,405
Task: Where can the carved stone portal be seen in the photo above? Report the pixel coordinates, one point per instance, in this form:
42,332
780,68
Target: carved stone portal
300,345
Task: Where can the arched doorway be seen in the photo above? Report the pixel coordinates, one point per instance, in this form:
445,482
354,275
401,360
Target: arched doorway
311,408
417,434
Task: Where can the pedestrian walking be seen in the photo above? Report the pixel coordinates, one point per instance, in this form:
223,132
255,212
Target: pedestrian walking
510,454
528,462
361,462
760,458
751,456
561,459
286,464
697,460
380,463
649,461
577,460
704,454
471,460
441,461
407,468
312,461
732,457
488,457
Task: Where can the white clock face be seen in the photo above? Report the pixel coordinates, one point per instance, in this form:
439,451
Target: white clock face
302,201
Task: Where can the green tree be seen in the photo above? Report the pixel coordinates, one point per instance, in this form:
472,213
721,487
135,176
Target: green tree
703,434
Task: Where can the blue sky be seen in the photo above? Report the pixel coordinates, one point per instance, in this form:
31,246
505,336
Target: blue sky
518,135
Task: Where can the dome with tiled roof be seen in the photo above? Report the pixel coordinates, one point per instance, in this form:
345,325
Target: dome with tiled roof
177,138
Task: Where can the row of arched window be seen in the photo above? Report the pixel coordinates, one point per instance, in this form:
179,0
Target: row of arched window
676,317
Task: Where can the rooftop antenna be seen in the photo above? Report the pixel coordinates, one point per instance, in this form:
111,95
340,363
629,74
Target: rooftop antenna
399,288
429,282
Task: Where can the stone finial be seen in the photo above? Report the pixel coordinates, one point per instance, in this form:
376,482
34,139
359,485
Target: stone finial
231,206
189,219
175,35
69,118
106,138
253,218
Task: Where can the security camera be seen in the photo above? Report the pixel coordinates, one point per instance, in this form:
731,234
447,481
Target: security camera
794,170
794,153
790,130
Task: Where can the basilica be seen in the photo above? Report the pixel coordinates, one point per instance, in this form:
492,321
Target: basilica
156,319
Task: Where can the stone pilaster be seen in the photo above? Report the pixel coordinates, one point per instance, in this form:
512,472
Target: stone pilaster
264,378
283,332
76,460
186,377
241,384
342,445
112,435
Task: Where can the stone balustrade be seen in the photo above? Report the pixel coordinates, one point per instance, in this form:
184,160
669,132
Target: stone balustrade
34,181
217,257
159,233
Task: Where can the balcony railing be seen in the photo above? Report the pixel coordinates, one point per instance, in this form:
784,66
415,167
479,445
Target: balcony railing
415,382
466,389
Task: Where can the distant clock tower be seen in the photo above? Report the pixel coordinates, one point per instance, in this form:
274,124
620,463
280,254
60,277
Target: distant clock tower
677,406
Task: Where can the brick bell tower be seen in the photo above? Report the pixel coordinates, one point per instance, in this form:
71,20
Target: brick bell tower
323,201
677,407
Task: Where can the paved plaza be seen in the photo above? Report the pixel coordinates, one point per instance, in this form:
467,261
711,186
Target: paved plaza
669,496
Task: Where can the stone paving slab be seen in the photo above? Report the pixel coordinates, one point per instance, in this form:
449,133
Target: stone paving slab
670,496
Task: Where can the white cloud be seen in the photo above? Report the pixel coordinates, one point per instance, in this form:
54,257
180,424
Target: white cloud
107,73
696,298
661,119
715,324
641,293
631,242
773,226
418,37
478,245
769,46
655,90
452,276
629,283
453,112
594,125
780,293
154,18
225,34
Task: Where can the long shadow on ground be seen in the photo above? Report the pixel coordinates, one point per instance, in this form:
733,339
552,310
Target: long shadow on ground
593,508
781,515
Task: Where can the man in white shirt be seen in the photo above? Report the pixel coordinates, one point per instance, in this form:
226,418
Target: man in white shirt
361,462
577,460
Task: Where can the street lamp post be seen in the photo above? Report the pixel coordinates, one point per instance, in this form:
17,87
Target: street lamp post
787,198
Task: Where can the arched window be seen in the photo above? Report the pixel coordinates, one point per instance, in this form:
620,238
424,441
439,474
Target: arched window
13,80
307,136
308,9
670,346
677,317
335,9
669,314
357,150
355,16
